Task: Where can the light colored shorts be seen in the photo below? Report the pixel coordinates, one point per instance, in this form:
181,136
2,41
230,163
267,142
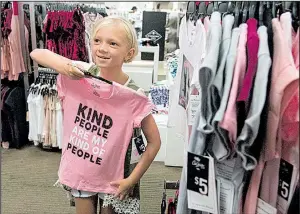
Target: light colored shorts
86,194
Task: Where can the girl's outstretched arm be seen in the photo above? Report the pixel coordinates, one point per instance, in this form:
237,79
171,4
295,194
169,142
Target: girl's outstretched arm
57,62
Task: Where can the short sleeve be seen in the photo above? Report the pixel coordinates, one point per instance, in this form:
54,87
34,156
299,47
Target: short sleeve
142,107
61,86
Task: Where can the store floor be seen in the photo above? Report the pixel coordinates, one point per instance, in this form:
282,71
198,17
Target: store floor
28,176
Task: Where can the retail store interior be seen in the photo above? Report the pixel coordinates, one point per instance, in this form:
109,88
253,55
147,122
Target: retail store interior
223,82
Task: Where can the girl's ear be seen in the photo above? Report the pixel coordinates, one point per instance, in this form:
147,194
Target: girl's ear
130,55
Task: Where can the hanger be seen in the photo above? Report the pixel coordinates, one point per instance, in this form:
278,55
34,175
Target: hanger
190,10
216,6
86,73
223,7
279,9
209,8
295,9
245,11
295,15
230,9
237,11
287,6
252,9
201,10
7,5
261,13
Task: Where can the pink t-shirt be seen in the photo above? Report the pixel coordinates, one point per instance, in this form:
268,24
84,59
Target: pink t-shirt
229,121
98,123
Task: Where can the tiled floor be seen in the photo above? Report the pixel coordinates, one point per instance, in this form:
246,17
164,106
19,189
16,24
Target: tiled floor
28,176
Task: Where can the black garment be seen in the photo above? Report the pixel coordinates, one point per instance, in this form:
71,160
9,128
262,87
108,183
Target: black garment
294,206
14,111
6,130
267,21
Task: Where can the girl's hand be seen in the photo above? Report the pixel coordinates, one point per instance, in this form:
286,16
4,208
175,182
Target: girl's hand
125,186
74,72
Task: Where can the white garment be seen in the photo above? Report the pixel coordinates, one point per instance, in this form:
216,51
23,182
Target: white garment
39,101
89,22
137,19
32,110
192,42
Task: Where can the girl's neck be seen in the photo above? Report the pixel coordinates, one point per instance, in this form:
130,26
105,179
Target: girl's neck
115,75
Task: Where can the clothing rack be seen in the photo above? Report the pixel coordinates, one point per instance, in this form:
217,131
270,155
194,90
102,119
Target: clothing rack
47,70
172,185
171,206
234,105
63,6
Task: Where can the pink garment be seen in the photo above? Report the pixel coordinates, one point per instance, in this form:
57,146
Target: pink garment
295,50
206,23
286,25
17,61
252,50
284,85
252,193
98,124
229,121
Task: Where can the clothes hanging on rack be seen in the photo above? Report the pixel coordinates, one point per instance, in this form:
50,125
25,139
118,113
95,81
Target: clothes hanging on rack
170,207
45,111
12,61
90,19
13,114
172,62
65,34
159,95
248,110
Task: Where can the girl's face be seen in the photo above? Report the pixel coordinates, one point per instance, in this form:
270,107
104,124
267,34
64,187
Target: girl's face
110,47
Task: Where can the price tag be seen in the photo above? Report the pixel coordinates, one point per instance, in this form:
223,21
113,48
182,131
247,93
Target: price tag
226,194
27,116
201,184
285,185
225,168
139,143
135,156
285,177
264,208
193,108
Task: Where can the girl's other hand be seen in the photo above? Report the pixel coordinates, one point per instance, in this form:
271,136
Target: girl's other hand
124,188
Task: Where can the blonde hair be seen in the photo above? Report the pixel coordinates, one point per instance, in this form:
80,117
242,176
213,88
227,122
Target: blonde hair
129,29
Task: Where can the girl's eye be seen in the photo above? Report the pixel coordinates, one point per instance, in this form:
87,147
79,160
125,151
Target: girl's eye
113,43
96,40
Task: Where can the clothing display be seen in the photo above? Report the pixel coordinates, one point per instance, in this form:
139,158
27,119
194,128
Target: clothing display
172,62
89,20
226,106
248,110
159,95
12,61
13,114
45,112
65,34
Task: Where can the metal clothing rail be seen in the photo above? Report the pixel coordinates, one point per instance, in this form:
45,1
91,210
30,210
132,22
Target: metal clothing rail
171,185
47,70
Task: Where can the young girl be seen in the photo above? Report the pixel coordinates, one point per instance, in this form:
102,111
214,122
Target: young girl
113,42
